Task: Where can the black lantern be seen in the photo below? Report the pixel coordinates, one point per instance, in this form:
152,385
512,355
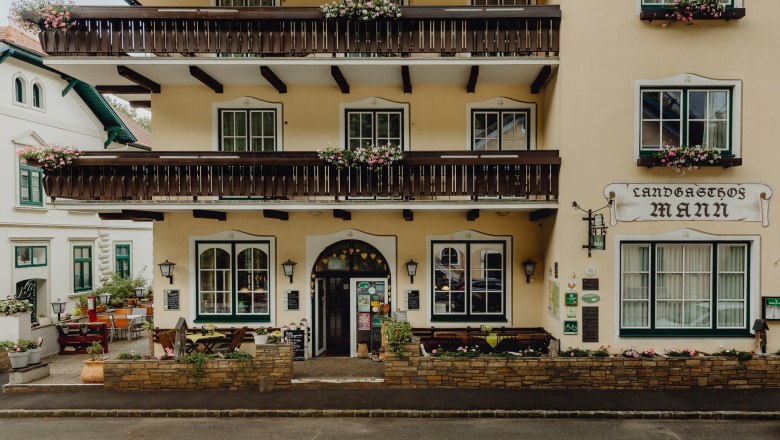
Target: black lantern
58,307
597,230
289,268
104,298
411,269
139,293
529,266
166,269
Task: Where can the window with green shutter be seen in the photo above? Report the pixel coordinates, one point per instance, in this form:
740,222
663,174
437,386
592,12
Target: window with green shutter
30,186
122,260
82,268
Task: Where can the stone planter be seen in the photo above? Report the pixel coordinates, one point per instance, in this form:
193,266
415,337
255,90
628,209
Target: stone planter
260,339
15,327
19,360
35,356
92,372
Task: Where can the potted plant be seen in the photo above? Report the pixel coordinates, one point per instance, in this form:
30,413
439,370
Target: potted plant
15,319
93,368
261,335
17,354
397,334
33,349
82,304
83,328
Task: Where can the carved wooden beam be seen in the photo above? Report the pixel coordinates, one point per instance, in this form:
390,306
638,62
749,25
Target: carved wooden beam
335,72
206,79
139,79
274,80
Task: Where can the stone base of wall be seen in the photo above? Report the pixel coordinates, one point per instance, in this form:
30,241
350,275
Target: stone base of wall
5,363
274,365
415,371
172,375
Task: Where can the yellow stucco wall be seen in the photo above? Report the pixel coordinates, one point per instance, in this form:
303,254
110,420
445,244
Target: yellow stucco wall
171,238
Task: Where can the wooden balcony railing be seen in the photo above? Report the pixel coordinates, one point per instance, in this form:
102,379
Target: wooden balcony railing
187,176
297,31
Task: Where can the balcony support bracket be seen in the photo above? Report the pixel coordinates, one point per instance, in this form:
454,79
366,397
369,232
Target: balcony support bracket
342,214
274,80
408,215
139,79
278,215
211,215
471,87
539,214
335,72
206,79
472,215
541,80
407,79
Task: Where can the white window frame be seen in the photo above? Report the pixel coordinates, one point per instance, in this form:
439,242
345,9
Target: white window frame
37,83
245,103
683,236
374,103
644,3
688,80
501,103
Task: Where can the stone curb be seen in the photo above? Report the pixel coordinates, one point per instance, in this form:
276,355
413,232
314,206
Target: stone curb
384,413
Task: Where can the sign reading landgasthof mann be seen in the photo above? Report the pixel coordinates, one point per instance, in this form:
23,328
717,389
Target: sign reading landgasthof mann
642,202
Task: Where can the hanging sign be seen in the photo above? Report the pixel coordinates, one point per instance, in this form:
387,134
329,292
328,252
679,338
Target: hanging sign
642,202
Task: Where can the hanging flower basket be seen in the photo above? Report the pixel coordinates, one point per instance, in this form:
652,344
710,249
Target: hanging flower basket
48,157
49,14
361,10
686,11
371,157
684,159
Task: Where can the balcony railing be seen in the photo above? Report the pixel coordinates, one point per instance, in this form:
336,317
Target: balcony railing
187,176
297,31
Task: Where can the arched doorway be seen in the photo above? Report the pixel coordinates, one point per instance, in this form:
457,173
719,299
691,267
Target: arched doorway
350,279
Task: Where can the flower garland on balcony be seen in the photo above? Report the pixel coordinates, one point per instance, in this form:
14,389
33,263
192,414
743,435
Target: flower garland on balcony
373,157
52,14
687,10
361,10
48,157
684,158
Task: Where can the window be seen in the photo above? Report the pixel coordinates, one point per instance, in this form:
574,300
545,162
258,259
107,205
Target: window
30,256
500,130
30,186
82,268
374,127
503,2
686,117
233,281
469,287
247,130
665,3
20,91
122,260
246,3
37,95
684,289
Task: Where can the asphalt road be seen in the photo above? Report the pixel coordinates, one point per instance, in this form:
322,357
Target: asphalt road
363,429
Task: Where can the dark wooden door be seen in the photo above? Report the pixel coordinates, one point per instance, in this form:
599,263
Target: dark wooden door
337,316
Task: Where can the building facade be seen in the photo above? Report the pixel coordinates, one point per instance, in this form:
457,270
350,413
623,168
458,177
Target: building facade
49,254
507,114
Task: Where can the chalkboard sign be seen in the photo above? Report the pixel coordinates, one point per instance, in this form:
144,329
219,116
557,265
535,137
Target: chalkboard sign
297,339
293,300
413,300
590,284
590,324
171,298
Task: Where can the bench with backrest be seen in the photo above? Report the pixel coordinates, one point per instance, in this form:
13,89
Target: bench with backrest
72,337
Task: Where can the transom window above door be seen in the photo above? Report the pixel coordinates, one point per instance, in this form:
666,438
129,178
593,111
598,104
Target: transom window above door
494,130
247,130
374,127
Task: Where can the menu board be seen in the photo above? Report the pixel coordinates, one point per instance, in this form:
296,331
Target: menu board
297,339
413,300
293,300
171,299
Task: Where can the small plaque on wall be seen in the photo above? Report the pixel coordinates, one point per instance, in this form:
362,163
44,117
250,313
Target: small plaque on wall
571,327
171,299
590,324
412,300
293,300
590,284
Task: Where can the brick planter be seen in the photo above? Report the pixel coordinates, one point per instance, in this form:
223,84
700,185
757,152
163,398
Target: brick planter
415,371
271,369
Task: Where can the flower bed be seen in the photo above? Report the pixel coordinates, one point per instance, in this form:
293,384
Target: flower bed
414,371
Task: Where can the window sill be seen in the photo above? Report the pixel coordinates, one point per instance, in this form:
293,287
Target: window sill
230,319
39,208
660,14
685,334
726,162
469,319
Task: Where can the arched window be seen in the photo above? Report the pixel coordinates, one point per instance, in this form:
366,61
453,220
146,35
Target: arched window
19,89
37,95
215,277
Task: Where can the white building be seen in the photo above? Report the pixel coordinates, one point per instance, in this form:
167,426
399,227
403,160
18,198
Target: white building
54,254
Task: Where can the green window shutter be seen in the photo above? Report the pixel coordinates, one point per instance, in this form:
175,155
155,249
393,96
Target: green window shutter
82,268
122,257
30,186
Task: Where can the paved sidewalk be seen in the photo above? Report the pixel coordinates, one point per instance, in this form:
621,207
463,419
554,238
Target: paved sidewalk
759,400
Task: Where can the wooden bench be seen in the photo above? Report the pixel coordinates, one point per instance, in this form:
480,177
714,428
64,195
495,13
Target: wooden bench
74,338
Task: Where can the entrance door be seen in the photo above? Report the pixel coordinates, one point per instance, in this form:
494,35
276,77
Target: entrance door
336,313
366,295
318,318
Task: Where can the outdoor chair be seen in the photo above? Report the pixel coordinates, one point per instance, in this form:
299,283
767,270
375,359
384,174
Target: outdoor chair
106,319
120,324
235,343
124,311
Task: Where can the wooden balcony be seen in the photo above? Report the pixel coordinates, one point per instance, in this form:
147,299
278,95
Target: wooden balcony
193,176
299,31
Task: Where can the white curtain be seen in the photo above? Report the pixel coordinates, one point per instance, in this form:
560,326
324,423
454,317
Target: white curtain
635,295
683,291
732,263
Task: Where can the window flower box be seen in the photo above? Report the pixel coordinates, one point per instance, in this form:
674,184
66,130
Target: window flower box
724,162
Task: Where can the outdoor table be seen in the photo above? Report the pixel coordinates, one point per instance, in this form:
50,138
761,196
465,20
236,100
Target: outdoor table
208,341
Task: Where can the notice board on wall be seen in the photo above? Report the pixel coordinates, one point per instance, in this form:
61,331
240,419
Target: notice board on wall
590,324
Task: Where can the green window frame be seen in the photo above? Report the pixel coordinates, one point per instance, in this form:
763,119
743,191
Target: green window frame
36,95
684,288
30,186
82,268
30,256
234,280
19,91
664,4
248,130
686,116
122,260
468,281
